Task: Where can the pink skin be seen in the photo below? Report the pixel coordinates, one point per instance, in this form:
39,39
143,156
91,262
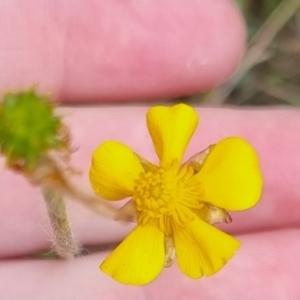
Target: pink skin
266,266
118,50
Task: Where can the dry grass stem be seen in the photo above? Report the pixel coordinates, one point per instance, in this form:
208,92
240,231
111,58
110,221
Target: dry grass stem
256,49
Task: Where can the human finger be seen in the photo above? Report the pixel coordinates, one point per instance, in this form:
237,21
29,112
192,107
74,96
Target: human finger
265,267
24,224
107,50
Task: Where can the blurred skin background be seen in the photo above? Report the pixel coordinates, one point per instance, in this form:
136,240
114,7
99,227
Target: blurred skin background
84,58
107,62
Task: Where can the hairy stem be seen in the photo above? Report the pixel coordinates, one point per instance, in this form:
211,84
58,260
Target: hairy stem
64,243
96,204
50,173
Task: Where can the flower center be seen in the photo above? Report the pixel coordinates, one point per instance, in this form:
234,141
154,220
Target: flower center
165,194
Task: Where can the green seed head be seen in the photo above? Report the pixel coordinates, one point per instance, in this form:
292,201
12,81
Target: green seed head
29,129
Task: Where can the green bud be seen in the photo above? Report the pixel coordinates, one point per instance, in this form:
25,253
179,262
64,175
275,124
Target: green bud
29,129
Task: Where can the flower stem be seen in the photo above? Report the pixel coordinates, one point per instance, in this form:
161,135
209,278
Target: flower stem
64,243
49,173
96,204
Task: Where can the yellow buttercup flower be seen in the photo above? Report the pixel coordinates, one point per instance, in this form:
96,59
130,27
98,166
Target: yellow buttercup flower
175,204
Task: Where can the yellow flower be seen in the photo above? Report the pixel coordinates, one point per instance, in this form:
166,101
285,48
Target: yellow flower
175,204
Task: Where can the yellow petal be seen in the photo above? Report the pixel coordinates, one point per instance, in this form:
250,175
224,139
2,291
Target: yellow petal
202,249
114,169
171,129
231,176
139,258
